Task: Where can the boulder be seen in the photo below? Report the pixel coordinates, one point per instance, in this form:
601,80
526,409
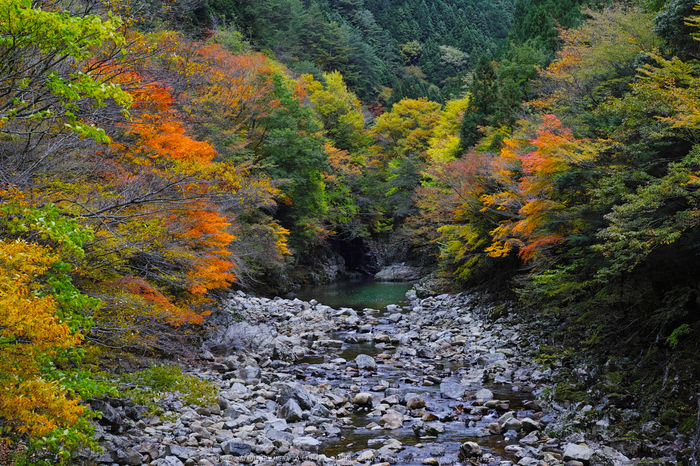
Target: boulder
236,448
363,400
309,444
110,416
392,420
452,390
484,394
576,452
168,461
469,450
176,450
415,402
398,273
295,391
366,362
290,411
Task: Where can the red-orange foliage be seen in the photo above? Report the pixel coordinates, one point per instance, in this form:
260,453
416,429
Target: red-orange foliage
538,198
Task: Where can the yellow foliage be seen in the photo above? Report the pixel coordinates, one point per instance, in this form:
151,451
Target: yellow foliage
30,331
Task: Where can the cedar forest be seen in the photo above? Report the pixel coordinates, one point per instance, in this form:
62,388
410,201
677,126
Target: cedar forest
154,154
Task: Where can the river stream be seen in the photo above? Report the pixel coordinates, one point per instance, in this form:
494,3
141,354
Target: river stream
406,376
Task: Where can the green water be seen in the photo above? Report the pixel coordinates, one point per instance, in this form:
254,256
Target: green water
357,294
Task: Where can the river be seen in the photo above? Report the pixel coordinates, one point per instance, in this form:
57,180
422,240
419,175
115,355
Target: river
411,376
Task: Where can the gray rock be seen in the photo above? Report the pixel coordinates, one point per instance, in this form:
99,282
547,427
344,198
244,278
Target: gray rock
366,362
530,425
236,448
606,456
309,444
294,390
577,452
512,424
236,409
392,420
469,450
320,411
452,390
363,400
110,416
128,456
398,273
415,402
435,428
149,449
494,428
176,450
484,394
290,411
530,439
274,434
489,358
168,461
249,373
425,352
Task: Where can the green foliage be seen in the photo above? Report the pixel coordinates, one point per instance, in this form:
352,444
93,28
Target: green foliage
150,385
37,85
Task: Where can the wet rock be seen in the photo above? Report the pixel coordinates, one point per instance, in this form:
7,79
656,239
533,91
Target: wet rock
435,428
484,394
469,450
494,428
452,390
365,362
363,400
415,402
512,424
391,420
366,456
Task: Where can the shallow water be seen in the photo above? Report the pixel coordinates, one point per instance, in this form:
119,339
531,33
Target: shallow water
409,376
357,294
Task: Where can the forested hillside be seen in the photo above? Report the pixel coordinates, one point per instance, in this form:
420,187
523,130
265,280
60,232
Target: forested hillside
385,50
155,154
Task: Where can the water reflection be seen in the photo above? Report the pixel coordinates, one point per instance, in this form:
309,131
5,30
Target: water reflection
357,294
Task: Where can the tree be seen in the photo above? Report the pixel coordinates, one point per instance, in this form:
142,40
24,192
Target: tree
546,195
44,317
401,138
483,95
598,59
46,69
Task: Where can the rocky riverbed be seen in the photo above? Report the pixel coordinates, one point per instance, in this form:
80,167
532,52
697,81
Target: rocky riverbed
430,382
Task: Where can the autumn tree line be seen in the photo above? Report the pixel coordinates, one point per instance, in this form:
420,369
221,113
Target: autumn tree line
152,156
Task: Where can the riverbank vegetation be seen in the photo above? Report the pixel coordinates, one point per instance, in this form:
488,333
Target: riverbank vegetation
154,154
